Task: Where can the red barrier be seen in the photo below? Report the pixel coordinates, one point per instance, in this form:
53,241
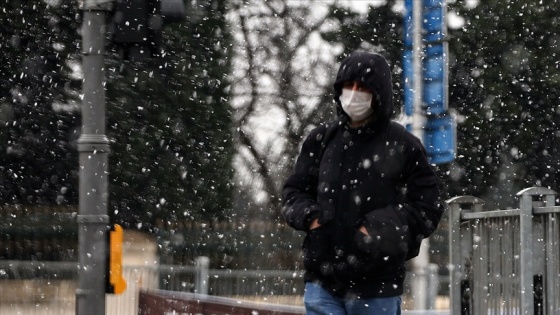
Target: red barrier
180,303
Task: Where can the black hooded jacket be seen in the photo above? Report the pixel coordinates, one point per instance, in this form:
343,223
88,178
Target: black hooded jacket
377,176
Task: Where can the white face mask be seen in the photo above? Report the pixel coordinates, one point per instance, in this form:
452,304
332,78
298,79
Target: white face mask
357,104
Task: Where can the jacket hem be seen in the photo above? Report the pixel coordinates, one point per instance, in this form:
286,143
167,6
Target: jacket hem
372,288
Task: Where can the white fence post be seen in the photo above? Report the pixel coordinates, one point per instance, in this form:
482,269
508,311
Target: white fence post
201,279
433,283
538,203
460,246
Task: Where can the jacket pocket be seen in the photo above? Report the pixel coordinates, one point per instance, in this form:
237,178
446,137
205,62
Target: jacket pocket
388,234
361,259
317,248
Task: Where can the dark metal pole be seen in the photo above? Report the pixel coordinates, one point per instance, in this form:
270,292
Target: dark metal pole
93,147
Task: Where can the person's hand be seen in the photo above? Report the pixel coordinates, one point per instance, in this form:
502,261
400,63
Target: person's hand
314,224
364,230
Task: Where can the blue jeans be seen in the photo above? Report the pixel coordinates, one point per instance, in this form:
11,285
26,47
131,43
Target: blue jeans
319,301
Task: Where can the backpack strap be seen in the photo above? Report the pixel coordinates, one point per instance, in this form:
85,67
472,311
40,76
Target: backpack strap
329,135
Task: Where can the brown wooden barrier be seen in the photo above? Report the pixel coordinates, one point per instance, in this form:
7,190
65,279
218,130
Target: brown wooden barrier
180,303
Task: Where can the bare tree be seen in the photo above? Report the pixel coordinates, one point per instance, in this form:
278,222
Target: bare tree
281,88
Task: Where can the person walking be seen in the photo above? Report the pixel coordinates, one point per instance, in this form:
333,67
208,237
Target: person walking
365,194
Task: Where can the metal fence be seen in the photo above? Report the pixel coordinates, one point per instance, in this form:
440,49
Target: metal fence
505,261
33,287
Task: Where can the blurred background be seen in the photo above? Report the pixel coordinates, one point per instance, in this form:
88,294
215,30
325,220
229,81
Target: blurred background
203,136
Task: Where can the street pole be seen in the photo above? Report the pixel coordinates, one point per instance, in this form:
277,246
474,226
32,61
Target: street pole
420,263
418,116
93,147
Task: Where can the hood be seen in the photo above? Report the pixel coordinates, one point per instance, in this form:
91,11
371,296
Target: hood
373,71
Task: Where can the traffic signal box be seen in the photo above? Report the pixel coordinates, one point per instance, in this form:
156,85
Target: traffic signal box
116,283
136,26
439,129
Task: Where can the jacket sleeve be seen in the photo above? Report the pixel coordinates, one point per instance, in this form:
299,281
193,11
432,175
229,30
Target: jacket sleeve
299,194
422,204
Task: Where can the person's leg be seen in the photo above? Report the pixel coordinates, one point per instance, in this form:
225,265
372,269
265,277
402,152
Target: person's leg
374,306
318,301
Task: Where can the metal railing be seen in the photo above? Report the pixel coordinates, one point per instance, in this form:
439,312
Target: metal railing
505,261
33,287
